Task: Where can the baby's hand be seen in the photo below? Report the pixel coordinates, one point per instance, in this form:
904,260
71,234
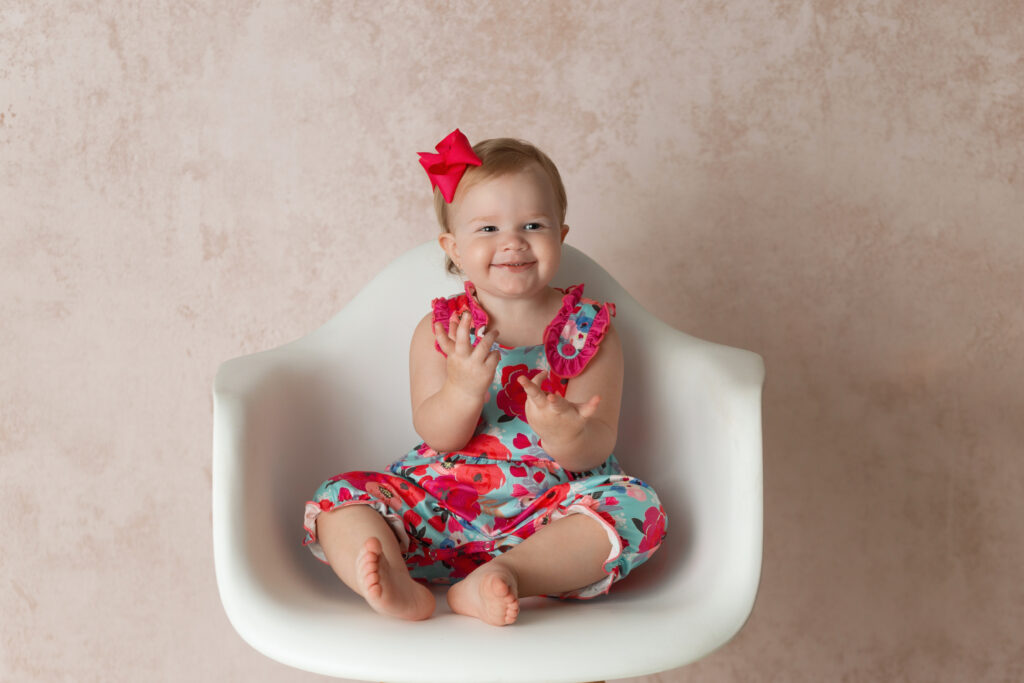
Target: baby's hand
556,419
470,369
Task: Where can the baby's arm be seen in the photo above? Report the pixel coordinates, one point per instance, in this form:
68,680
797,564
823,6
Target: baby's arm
448,393
580,430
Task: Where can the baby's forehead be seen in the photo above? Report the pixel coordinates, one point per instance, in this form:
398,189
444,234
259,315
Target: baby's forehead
482,174
530,173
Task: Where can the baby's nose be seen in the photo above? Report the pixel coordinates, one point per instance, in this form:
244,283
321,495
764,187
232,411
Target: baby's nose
514,241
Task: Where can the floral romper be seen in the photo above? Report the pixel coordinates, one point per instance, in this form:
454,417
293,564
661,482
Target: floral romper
454,511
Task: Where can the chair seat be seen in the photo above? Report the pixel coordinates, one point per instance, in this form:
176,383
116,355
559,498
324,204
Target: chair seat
337,400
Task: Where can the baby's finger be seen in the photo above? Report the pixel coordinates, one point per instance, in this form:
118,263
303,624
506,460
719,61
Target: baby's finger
587,410
442,338
462,335
483,347
493,358
558,403
533,392
539,378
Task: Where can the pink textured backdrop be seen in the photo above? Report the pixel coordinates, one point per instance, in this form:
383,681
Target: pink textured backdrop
838,186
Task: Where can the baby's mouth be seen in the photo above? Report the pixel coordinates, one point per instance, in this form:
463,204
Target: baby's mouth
515,266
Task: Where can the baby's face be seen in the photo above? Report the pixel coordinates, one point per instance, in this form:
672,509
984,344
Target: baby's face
506,235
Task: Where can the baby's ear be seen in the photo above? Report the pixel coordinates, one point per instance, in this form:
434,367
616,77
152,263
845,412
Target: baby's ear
447,242
565,231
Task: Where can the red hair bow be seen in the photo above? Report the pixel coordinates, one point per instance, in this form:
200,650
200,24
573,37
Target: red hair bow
445,168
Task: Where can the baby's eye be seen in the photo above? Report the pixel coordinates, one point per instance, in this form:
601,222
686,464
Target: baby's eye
489,228
533,226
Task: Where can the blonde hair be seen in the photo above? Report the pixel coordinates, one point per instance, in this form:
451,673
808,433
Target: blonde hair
501,156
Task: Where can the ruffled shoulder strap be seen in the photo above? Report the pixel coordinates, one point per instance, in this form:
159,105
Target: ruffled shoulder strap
574,336
451,308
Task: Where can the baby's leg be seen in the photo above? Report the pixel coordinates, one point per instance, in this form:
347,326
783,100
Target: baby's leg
364,553
563,556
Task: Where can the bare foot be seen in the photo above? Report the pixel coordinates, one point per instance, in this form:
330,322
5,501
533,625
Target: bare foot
390,590
489,593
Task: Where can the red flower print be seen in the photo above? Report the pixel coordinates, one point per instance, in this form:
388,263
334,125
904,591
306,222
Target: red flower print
517,470
483,478
486,446
418,559
609,520
410,494
522,441
653,528
363,479
524,532
411,518
512,397
463,565
553,497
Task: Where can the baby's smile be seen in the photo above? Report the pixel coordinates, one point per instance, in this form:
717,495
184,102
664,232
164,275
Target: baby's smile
515,267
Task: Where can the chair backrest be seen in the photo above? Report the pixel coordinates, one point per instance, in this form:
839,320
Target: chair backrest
337,400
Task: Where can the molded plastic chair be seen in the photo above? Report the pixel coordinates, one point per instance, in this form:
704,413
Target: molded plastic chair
337,400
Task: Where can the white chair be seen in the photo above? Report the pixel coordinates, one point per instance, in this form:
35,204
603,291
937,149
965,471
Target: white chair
337,400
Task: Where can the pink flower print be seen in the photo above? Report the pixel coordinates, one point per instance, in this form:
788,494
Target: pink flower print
529,448
636,492
540,463
520,491
385,493
653,529
463,501
512,397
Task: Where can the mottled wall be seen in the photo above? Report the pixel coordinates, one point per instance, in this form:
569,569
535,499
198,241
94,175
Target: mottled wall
838,186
